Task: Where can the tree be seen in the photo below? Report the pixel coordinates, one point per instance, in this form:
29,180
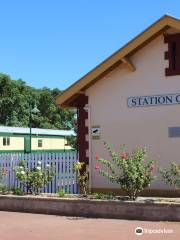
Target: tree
17,98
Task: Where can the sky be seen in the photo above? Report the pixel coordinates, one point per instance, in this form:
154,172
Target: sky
53,43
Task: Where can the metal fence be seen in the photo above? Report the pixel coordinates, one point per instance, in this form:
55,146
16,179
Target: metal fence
65,176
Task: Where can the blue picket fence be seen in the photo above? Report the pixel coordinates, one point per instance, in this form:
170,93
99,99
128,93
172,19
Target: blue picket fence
65,176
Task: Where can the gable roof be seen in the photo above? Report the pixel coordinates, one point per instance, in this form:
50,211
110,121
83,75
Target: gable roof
121,56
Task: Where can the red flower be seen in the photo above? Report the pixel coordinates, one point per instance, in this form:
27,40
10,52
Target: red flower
97,167
152,168
97,157
124,155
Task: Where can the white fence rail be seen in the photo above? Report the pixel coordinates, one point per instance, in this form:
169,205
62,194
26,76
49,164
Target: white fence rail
65,176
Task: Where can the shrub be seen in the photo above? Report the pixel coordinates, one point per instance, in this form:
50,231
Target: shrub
130,170
82,177
3,174
108,196
17,191
3,188
34,179
61,193
171,176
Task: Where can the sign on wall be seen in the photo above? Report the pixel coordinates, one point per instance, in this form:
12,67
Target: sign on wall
95,132
154,100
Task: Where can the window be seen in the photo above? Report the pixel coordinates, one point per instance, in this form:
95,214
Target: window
6,141
173,54
40,142
174,132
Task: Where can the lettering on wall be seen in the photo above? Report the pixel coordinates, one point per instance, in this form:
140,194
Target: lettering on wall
155,100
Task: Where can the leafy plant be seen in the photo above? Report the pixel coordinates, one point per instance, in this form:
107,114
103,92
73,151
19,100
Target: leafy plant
130,170
17,191
34,179
171,176
61,193
3,174
104,196
82,176
3,188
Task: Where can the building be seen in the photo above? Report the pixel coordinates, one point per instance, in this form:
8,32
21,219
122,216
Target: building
132,97
17,139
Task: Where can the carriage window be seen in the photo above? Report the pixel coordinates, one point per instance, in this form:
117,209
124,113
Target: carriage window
6,141
39,142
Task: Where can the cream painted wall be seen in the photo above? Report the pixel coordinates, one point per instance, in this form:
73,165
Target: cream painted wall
16,143
49,143
141,126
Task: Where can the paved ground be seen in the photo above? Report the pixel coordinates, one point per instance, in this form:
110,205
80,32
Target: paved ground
24,226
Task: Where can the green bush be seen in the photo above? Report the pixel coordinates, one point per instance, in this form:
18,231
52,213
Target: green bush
171,176
130,170
17,191
3,174
61,193
34,179
3,188
105,196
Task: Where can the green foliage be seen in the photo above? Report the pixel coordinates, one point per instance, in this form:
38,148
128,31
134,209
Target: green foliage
171,176
34,179
16,100
131,171
17,191
104,196
3,174
82,176
61,193
3,188
72,140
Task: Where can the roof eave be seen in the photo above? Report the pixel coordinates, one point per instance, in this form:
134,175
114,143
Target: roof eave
163,23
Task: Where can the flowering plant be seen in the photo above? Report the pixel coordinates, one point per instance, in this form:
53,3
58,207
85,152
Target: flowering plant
3,174
34,179
171,176
82,176
130,170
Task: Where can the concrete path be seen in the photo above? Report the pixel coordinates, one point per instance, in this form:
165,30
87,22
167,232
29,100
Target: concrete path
24,226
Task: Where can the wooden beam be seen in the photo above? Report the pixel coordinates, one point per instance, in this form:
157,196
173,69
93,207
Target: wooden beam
81,92
129,64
